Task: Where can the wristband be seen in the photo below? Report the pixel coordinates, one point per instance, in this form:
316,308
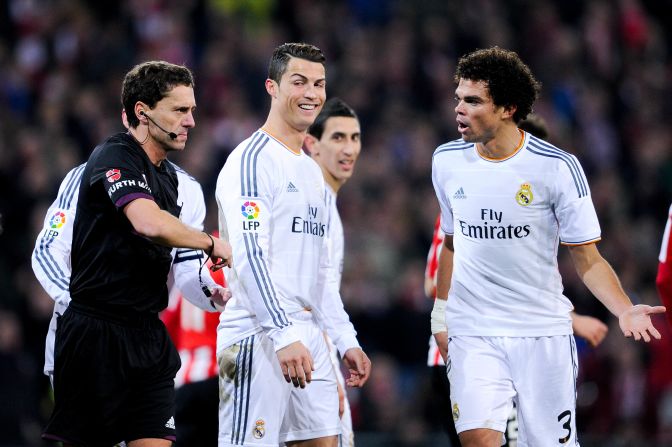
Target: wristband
438,316
212,245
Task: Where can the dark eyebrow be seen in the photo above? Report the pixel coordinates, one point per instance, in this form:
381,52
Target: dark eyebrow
473,98
305,79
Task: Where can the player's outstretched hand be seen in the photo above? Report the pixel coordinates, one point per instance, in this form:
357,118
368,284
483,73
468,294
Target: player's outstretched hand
589,328
222,254
442,342
359,366
220,296
296,364
636,322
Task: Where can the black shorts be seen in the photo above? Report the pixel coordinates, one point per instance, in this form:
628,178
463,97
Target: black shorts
197,413
113,380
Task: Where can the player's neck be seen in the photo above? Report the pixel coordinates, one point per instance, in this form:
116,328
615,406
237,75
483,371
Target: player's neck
506,142
154,151
282,131
332,181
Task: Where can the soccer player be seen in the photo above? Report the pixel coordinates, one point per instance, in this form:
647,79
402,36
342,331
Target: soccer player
114,363
334,142
664,277
271,201
506,200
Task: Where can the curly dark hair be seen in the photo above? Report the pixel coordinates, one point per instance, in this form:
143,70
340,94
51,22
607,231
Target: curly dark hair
282,54
510,82
150,82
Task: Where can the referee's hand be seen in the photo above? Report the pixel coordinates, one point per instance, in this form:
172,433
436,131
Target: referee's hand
296,364
222,255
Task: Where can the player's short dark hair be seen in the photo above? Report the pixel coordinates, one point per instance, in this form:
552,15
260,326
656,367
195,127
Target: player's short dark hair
150,82
510,82
281,55
535,125
333,107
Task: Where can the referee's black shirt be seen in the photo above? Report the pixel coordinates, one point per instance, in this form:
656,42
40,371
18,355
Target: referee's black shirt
115,270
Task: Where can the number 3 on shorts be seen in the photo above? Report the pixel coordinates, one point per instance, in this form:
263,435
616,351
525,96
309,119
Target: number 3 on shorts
567,425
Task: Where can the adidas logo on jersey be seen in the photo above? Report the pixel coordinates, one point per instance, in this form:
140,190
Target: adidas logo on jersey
292,188
171,423
459,194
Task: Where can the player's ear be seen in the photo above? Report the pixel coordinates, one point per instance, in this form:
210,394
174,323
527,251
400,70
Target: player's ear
310,143
509,111
271,87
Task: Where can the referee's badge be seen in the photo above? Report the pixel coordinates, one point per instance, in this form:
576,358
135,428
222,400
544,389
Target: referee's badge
259,429
456,412
524,195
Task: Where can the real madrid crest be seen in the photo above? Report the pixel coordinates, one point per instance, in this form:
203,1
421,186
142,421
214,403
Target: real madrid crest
524,195
456,412
259,429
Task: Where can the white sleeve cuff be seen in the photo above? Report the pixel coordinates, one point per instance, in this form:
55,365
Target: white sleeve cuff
284,337
345,342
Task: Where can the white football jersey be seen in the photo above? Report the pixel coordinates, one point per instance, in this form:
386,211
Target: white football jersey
507,217
662,256
272,211
335,237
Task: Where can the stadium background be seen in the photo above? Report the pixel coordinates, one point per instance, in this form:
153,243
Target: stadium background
606,70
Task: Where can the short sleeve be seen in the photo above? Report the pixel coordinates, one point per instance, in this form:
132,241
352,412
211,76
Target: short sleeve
121,172
574,207
444,202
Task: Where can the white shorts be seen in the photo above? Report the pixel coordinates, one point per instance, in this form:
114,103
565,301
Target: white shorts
487,374
257,407
347,436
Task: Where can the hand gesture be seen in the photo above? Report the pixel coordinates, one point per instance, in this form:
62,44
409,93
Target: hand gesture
358,365
442,342
589,328
220,296
222,254
636,322
296,364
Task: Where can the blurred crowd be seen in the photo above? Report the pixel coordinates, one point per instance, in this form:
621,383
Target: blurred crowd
606,70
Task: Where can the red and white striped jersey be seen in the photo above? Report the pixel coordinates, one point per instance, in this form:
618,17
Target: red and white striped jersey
194,333
434,356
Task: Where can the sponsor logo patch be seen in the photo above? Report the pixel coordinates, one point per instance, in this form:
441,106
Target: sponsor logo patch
292,188
57,220
113,175
171,423
459,194
250,210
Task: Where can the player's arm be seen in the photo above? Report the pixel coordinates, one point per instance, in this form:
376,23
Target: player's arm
335,321
188,263
664,276
250,239
589,328
601,280
51,256
444,276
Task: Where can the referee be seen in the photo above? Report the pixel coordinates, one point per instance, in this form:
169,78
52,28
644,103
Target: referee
114,361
